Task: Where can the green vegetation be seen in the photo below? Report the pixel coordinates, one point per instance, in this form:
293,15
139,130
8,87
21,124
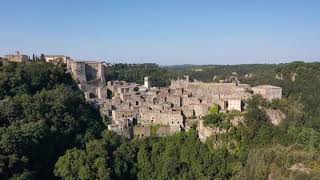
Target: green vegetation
41,115
214,109
159,76
181,156
154,129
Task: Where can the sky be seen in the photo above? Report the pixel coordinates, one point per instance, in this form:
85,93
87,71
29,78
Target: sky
164,31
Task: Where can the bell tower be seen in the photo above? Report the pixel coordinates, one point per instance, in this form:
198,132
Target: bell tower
147,83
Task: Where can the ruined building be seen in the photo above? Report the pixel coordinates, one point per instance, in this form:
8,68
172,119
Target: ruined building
87,71
16,57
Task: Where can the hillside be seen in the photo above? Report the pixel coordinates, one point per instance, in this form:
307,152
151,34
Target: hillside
48,131
41,115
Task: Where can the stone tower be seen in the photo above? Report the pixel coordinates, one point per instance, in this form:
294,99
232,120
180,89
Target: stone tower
147,83
101,74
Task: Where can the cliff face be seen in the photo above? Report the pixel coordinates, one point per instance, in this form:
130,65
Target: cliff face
275,116
204,132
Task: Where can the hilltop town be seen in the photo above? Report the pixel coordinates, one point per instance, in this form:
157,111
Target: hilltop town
95,111
141,110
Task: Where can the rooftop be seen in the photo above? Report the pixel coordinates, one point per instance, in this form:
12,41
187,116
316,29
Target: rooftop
267,87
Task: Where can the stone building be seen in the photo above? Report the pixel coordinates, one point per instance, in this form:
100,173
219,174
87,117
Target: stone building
122,127
86,71
16,57
56,59
168,108
173,119
212,90
188,112
121,113
147,83
268,92
174,100
200,110
141,131
234,104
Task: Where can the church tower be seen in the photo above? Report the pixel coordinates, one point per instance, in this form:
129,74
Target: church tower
147,83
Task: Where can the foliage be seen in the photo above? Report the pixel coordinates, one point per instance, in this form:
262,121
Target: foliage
29,78
135,73
173,157
154,129
276,162
41,115
91,163
214,109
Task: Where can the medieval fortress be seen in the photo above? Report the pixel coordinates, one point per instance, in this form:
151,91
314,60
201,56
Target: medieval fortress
140,110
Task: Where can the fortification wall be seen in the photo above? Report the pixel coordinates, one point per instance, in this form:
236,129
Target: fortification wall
86,71
95,70
207,90
78,70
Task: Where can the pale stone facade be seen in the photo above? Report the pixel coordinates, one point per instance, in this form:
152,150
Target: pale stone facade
234,104
268,92
86,71
56,59
16,57
147,83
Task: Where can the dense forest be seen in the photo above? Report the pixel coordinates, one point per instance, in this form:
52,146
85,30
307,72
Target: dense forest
135,73
48,131
42,114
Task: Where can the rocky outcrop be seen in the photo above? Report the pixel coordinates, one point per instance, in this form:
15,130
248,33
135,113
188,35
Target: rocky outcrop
204,132
293,77
275,116
236,121
299,167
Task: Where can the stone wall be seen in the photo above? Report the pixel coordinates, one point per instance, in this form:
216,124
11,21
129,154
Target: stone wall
78,70
216,90
234,104
200,110
171,118
86,71
16,57
268,92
